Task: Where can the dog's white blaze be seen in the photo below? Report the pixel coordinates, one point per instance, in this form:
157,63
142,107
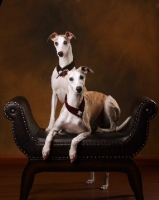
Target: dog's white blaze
61,46
67,57
77,81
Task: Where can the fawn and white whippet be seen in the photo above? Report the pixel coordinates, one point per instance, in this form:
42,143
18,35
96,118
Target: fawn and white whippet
81,110
66,61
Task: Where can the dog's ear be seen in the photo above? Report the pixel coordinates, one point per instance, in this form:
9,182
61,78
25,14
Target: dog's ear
52,36
85,69
69,35
63,73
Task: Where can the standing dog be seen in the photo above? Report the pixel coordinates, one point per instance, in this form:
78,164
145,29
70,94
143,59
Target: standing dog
81,110
66,61
91,180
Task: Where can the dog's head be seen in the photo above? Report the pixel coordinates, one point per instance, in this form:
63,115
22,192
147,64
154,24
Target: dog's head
61,42
76,78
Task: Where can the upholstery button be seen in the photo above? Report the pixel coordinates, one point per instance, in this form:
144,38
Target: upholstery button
12,111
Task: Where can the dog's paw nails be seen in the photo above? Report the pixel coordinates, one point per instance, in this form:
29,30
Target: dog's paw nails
72,157
71,160
45,153
90,181
104,187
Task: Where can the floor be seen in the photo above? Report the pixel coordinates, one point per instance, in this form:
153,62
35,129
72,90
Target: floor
72,186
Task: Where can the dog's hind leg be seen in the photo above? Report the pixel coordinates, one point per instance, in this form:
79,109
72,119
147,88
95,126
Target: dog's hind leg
112,112
106,182
91,179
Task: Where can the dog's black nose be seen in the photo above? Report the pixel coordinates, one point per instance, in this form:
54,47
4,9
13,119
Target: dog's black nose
79,89
60,53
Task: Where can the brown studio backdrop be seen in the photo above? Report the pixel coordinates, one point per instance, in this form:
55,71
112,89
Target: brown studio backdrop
119,40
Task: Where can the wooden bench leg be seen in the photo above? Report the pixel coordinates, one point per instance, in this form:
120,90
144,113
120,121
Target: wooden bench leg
27,180
135,180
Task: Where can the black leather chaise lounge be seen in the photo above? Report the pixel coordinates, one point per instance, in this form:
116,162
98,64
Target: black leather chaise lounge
102,152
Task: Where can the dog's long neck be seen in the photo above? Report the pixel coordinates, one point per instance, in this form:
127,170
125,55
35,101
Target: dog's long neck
66,59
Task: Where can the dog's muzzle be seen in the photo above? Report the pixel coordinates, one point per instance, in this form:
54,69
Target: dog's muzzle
79,89
60,53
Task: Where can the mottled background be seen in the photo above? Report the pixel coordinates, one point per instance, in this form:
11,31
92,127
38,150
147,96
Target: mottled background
119,40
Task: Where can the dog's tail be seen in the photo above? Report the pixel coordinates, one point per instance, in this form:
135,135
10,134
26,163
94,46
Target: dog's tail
118,128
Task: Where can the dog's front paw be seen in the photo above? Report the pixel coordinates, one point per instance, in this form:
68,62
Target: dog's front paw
45,153
73,156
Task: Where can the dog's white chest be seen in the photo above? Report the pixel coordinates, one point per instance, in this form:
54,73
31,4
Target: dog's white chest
72,128
59,86
70,123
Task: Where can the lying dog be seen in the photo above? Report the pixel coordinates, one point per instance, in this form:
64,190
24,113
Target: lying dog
81,110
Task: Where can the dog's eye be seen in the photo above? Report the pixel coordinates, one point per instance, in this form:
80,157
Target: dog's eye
65,42
81,77
56,43
71,79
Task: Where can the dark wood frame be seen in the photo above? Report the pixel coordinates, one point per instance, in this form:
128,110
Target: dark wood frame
127,166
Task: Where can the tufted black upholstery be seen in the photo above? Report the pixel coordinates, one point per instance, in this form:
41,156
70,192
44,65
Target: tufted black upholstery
113,151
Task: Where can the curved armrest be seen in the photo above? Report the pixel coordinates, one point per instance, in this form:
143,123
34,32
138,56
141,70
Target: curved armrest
24,126
143,109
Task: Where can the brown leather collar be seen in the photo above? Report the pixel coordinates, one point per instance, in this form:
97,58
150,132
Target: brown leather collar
75,111
69,67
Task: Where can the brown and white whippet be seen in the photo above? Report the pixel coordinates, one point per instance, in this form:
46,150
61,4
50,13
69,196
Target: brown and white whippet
80,112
